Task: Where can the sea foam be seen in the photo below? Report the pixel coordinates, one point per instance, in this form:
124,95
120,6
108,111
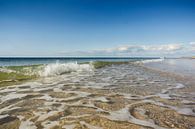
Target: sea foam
151,60
61,68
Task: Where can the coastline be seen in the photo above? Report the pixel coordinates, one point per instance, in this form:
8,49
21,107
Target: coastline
12,75
124,95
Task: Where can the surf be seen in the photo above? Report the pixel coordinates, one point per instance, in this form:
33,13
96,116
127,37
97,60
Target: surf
62,68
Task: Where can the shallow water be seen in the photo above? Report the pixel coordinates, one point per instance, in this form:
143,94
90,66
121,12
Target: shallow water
184,67
117,96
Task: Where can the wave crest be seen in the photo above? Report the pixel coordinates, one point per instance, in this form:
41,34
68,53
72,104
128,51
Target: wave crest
61,68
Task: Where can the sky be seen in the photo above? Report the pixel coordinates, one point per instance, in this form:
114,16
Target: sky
97,27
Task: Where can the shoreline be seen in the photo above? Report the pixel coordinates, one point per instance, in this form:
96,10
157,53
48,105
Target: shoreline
11,75
116,96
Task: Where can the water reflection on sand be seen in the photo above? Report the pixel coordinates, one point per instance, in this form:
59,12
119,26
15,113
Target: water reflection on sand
118,96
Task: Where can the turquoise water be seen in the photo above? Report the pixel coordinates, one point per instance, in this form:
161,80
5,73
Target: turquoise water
18,61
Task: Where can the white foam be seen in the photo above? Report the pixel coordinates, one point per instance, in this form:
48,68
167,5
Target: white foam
69,126
27,124
42,89
186,111
102,99
9,108
12,96
124,115
60,68
179,86
5,70
164,96
150,61
46,97
3,116
8,90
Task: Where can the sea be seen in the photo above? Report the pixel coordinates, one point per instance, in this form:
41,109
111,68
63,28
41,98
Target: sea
20,61
144,93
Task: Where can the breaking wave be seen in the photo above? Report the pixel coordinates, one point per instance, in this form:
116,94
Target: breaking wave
61,68
151,60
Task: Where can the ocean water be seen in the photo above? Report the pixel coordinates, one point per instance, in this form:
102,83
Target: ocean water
97,98
58,65
19,61
184,67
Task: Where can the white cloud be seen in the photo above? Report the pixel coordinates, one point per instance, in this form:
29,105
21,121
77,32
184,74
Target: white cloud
141,50
192,45
168,47
123,48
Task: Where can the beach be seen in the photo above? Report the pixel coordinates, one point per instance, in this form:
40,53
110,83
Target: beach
149,94
97,64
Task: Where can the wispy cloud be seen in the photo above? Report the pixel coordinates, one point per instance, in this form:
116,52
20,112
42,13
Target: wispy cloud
192,45
173,49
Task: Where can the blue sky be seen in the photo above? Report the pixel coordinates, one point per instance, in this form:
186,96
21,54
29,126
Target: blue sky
97,27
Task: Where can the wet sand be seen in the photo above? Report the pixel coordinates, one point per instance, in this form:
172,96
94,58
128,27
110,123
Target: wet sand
125,96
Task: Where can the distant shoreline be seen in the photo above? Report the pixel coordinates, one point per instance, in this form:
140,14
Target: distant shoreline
90,57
